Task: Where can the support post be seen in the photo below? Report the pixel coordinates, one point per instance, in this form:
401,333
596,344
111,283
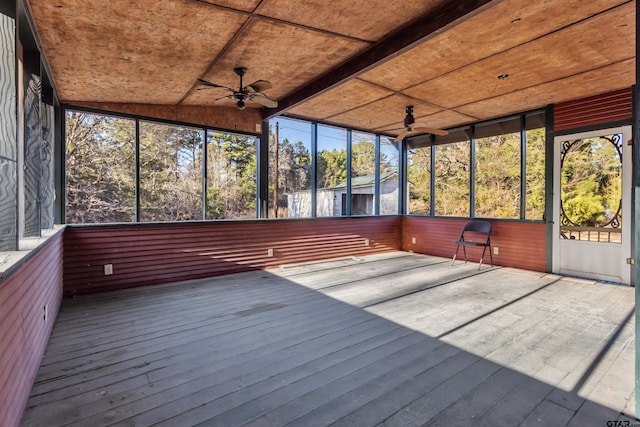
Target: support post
263,172
636,210
276,149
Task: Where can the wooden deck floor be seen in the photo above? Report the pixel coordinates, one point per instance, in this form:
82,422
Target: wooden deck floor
397,339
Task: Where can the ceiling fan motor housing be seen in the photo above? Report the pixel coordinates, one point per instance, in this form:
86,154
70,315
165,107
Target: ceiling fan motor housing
409,119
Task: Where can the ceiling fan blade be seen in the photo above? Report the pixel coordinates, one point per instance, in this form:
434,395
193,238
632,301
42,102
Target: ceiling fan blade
422,128
259,86
221,100
263,100
206,83
401,135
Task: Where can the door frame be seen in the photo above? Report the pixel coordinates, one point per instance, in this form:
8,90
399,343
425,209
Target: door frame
626,222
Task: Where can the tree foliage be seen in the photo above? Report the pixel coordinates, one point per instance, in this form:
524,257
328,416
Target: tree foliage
591,185
419,177
101,171
100,168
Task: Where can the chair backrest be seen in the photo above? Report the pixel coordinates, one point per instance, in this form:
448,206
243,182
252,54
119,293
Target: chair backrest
478,226
483,230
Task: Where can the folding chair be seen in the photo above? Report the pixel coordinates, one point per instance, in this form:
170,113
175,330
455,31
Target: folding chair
475,233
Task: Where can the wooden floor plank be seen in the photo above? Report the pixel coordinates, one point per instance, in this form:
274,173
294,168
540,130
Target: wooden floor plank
263,375
392,339
177,360
359,385
548,414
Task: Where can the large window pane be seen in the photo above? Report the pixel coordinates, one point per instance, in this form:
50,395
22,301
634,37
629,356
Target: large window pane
363,173
170,172
100,168
331,176
231,176
389,163
452,174
535,167
497,170
292,154
419,180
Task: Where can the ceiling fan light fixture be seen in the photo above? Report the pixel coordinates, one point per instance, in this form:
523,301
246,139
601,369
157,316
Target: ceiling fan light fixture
240,104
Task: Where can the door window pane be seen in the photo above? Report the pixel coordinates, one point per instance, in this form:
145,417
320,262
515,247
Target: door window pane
591,189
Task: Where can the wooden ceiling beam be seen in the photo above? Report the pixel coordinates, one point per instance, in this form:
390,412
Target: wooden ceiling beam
423,28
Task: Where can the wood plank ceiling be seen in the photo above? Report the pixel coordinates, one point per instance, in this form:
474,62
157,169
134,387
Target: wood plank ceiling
348,62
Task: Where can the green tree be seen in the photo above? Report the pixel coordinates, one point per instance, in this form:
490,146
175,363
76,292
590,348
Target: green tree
332,168
497,176
170,172
591,181
419,177
100,168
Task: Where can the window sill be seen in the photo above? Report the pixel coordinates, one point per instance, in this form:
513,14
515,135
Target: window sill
10,260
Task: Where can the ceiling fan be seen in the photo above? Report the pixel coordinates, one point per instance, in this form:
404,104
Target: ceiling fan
252,92
411,127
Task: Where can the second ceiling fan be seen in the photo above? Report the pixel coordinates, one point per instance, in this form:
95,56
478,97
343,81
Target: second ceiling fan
411,127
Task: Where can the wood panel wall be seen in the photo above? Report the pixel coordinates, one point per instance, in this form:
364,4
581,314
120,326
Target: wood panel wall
520,244
604,108
153,254
24,332
229,118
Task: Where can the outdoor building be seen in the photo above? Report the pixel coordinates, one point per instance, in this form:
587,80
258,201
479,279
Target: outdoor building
332,201
234,213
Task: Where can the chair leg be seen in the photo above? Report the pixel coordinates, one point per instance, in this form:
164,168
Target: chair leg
484,249
454,255
490,255
464,251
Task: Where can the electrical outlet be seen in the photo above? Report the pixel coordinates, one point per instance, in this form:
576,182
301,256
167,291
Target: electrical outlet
270,252
366,242
108,269
46,313
496,251
413,240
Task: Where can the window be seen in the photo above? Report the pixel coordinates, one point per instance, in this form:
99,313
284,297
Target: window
389,182
292,154
505,185
170,172
331,170
497,169
535,149
363,173
419,179
231,176
452,174
100,168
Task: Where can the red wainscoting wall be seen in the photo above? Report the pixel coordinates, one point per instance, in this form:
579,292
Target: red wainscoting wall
24,332
153,254
520,244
